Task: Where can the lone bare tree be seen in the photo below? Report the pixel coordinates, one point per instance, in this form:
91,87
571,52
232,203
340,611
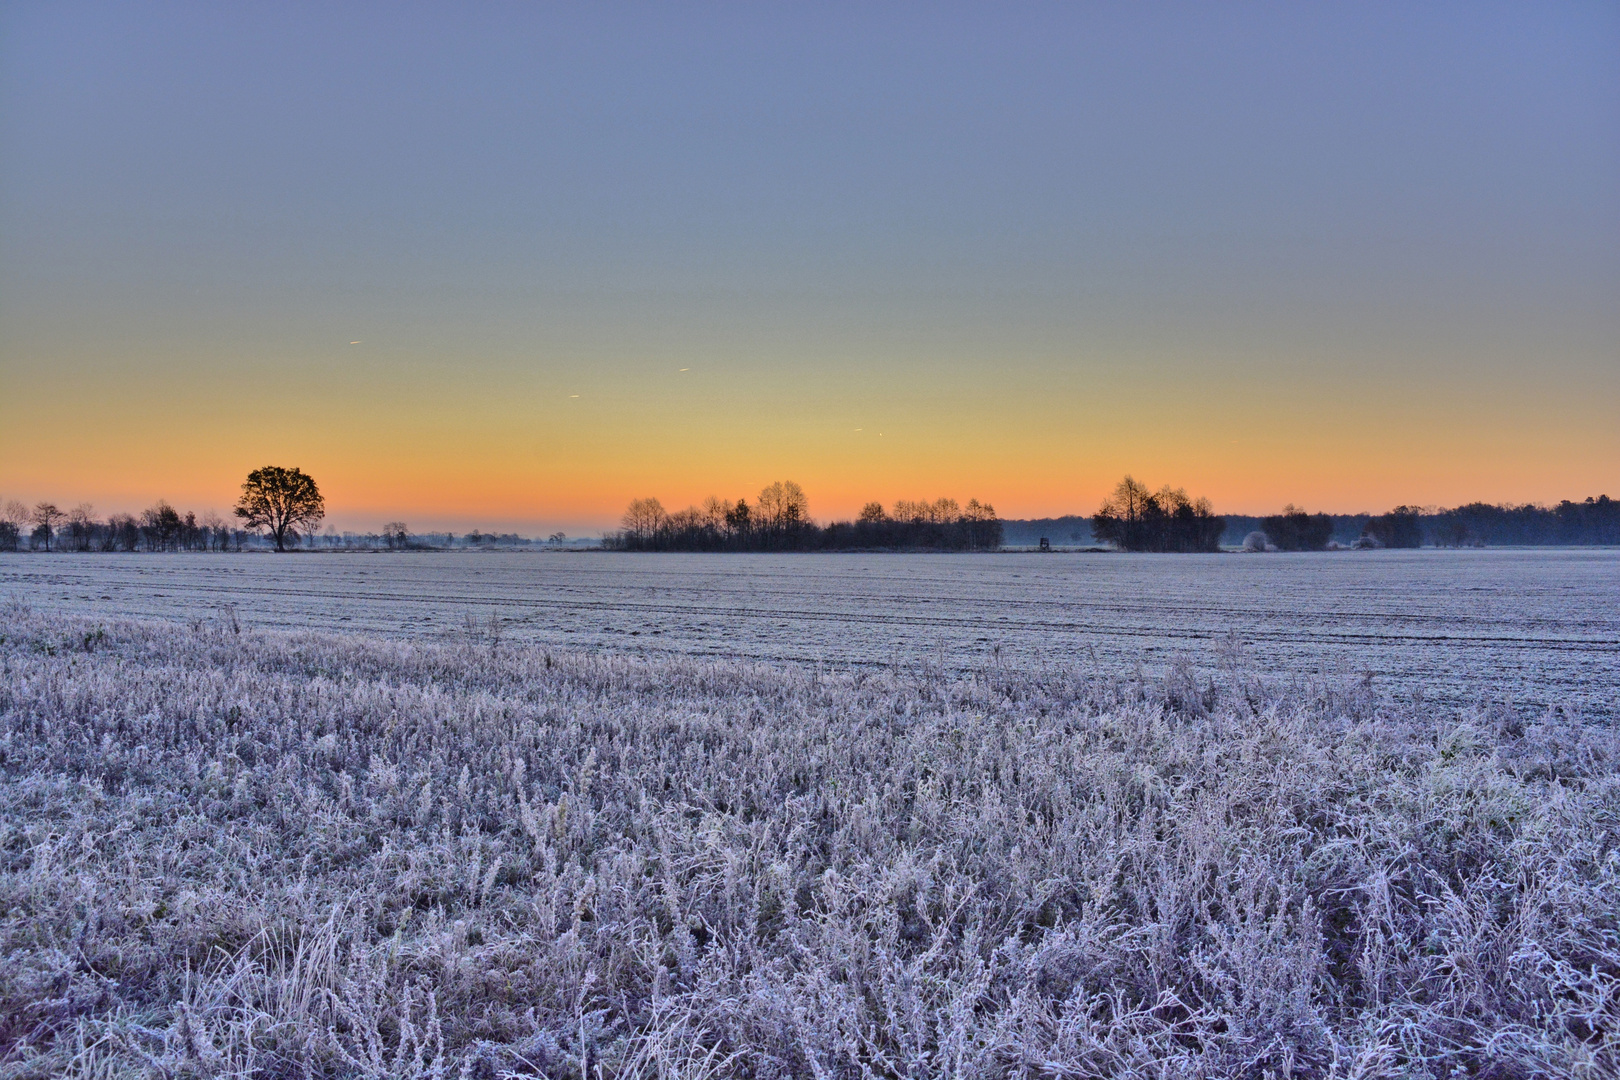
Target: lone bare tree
13,516
281,501
46,515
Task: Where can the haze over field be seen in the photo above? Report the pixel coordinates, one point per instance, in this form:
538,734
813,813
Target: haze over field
516,265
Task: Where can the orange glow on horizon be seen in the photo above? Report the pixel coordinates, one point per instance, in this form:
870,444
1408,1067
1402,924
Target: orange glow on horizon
369,478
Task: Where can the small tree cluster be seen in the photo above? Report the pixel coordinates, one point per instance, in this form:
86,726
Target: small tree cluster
780,520
942,524
1295,530
1136,519
1400,528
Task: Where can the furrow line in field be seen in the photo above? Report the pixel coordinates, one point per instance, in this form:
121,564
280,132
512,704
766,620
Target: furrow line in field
1143,606
1001,624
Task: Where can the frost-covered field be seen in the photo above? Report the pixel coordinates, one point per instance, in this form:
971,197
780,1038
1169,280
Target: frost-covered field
1530,627
278,854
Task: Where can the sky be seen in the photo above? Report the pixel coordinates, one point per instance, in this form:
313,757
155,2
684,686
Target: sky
508,266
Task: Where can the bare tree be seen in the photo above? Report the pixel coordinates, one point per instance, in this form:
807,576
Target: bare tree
715,510
396,535
215,537
81,523
643,518
872,513
13,516
162,526
740,518
1129,501
1135,519
281,501
46,515
123,533
692,519
783,506
912,510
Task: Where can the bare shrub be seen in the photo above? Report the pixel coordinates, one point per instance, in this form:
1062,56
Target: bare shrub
255,854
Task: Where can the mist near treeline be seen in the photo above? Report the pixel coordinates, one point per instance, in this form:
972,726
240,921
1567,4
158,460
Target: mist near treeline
782,521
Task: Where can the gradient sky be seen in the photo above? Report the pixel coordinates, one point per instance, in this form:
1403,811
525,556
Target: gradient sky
510,266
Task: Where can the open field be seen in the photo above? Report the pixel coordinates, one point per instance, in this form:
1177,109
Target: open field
1534,628
275,854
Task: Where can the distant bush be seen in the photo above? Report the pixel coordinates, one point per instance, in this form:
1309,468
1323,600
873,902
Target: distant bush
1256,541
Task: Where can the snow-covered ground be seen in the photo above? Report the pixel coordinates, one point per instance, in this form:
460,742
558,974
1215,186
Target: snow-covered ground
1530,627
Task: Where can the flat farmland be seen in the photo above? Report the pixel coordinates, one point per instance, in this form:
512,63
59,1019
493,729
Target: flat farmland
830,818
1531,628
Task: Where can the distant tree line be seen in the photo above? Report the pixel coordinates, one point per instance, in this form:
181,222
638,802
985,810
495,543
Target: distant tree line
779,520
280,507
45,527
1594,521
1136,519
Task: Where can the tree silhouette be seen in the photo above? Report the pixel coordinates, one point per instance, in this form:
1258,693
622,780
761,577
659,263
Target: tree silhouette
13,516
46,515
782,507
396,534
1135,519
643,519
1295,530
1400,528
162,526
281,501
81,523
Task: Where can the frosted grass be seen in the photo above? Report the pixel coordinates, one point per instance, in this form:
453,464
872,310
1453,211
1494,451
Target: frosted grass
1533,628
275,854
